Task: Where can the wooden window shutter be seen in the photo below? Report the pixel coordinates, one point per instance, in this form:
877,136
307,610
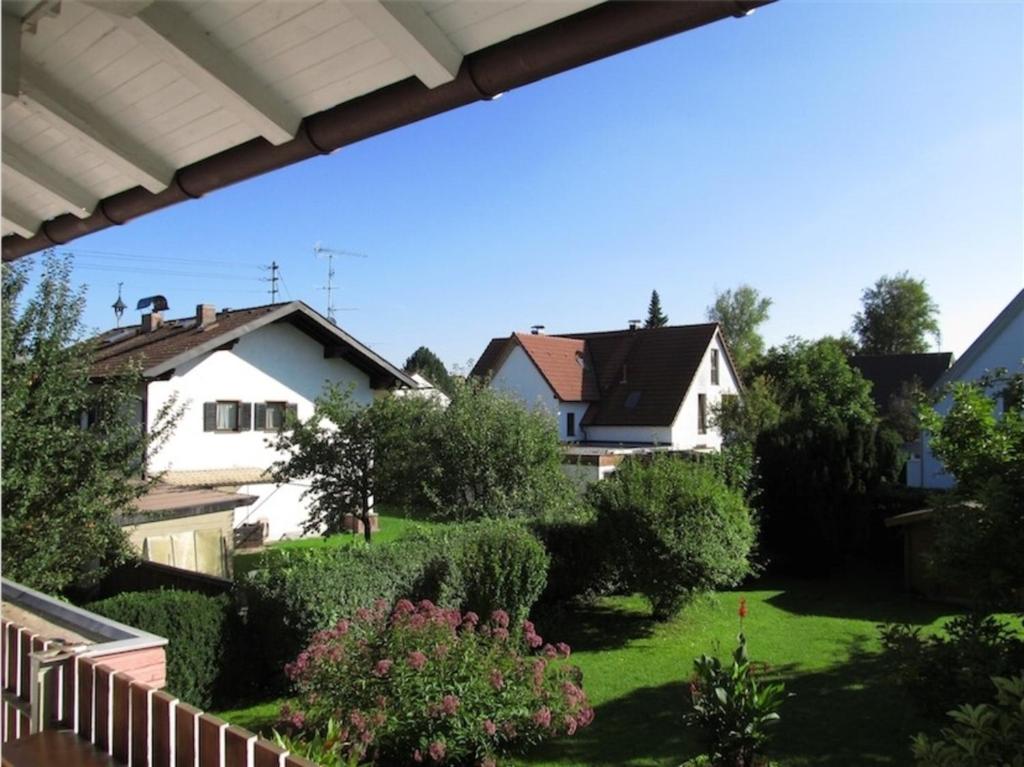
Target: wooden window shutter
291,413
261,416
244,416
209,416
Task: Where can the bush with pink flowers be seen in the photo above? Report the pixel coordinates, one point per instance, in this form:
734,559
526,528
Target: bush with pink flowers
419,684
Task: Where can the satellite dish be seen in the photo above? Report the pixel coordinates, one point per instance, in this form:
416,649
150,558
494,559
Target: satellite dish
158,303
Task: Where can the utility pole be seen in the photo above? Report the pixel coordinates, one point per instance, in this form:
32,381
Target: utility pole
319,251
272,279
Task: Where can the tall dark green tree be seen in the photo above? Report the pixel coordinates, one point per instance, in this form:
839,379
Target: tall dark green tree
741,312
898,317
73,450
430,366
656,318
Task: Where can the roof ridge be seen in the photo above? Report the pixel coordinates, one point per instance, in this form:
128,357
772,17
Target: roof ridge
633,330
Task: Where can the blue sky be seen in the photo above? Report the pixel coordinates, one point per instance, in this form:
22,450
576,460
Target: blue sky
806,150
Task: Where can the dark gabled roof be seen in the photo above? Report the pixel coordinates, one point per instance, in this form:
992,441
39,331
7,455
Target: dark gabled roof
995,329
643,375
488,362
178,341
888,373
631,377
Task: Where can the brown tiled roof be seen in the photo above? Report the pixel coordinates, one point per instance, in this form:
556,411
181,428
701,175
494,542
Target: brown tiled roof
176,341
644,374
124,346
889,372
631,377
564,364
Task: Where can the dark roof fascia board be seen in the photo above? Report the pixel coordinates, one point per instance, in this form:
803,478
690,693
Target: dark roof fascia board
982,342
284,312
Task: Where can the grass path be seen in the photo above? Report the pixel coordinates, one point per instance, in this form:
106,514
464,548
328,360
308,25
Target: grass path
821,637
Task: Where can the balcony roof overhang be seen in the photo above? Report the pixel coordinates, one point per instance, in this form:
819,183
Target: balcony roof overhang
117,108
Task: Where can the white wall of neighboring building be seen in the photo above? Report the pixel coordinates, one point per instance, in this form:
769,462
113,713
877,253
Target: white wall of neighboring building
519,376
578,409
275,363
646,435
685,432
1004,351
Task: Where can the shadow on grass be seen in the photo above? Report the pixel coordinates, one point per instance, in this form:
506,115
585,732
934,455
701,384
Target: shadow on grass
850,715
862,597
593,627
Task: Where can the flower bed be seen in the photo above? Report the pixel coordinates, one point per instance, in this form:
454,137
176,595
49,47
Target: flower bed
423,684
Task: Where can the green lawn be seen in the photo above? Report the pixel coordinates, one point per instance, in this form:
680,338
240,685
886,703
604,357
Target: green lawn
819,636
392,525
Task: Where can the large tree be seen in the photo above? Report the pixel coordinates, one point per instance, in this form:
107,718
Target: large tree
73,450
898,317
741,312
430,366
820,456
656,318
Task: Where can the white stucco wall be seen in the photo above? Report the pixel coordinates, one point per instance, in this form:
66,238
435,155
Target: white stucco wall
275,363
685,434
646,435
1005,351
519,376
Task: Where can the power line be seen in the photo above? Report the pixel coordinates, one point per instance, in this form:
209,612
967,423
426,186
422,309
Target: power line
136,257
164,272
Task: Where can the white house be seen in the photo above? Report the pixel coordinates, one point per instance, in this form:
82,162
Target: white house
1000,345
236,373
638,388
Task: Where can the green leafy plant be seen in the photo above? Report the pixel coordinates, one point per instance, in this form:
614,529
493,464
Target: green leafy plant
983,734
419,683
324,747
733,708
943,669
674,528
195,626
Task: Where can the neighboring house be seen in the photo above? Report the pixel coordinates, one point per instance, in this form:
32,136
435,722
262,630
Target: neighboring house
237,373
894,377
426,389
1000,345
641,387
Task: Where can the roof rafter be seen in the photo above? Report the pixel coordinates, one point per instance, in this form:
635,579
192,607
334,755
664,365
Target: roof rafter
75,198
170,33
79,121
412,37
18,220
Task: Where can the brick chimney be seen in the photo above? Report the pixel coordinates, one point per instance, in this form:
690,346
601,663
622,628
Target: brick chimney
152,321
206,314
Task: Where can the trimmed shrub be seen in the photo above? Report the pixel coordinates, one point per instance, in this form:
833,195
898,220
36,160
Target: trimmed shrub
302,592
678,528
502,567
581,568
424,684
194,625
478,566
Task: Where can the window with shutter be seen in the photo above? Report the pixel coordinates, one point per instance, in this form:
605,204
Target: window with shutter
272,418
293,411
227,416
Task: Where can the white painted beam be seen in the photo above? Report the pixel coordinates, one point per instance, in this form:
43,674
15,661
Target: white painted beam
79,121
18,220
72,196
412,37
169,32
10,25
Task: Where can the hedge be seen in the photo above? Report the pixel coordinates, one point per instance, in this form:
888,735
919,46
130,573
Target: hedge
195,626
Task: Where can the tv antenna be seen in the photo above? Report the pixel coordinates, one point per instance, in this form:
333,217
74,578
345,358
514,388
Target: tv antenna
119,305
321,251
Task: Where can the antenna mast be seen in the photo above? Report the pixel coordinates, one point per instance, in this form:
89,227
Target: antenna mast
272,279
319,251
119,306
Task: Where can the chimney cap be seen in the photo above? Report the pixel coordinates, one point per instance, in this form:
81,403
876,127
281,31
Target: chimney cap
634,324
535,329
